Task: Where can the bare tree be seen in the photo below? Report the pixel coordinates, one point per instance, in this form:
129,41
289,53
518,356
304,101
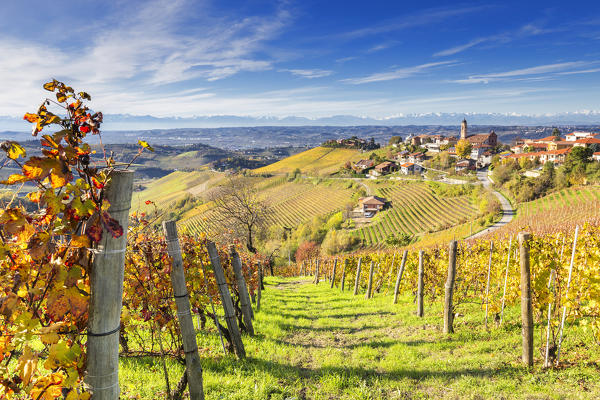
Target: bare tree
239,209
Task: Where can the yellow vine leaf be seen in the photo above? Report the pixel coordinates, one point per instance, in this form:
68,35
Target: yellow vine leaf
14,150
145,145
80,241
14,178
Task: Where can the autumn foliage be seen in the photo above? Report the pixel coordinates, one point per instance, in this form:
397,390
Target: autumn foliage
307,250
45,258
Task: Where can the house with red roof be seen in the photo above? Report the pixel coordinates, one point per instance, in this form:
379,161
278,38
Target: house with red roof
410,168
586,142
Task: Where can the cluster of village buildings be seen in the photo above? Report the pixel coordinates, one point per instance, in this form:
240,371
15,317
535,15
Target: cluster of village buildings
553,148
352,143
482,146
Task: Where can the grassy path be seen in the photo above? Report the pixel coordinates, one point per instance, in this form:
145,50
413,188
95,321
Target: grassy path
317,343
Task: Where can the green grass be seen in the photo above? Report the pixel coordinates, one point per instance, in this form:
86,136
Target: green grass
317,343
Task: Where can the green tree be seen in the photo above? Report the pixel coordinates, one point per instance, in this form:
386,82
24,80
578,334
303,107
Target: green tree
556,133
463,148
395,140
579,156
403,239
335,221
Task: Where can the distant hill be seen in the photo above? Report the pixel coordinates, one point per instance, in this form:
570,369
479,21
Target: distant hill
255,137
138,122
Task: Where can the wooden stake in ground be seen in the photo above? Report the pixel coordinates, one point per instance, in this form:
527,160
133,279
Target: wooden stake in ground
333,274
505,280
370,281
236,263
106,294
317,272
212,305
399,277
357,282
234,331
448,308
526,307
551,288
343,281
420,285
259,292
487,286
186,324
564,313
370,284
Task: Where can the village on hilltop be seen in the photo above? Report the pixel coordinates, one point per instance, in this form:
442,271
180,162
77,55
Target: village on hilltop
417,154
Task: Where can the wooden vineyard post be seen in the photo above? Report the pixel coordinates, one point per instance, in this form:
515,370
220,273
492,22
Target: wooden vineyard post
317,272
357,280
399,277
487,286
370,284
505,280
551,288
333,273
234,330
564,313
448,309
212,305
186,324
106,294
259,291
343,281
243,289
526,307
420,286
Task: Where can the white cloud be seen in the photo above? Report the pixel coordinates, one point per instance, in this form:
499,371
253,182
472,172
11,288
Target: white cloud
458,49
423,18
309,73
382,46
547,71
345,59
139,48
583,71
396,74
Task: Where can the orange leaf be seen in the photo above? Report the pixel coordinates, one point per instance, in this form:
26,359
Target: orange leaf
14,178
34,197
31,117
50,86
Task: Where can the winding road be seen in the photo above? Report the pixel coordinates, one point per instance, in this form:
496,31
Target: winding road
507,211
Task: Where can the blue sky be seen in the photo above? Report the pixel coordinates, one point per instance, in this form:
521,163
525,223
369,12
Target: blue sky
305,58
